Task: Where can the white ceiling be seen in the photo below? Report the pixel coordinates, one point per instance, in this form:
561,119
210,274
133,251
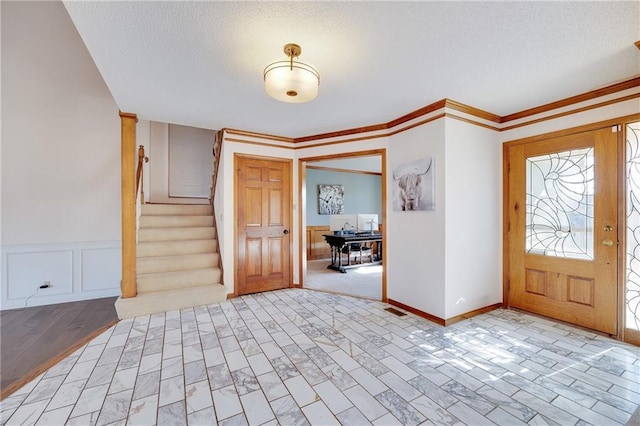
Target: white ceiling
201,63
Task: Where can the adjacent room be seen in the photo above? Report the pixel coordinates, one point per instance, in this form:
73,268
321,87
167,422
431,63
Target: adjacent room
357,183
320,213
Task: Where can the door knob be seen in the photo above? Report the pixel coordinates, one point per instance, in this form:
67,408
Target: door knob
607,242
285,232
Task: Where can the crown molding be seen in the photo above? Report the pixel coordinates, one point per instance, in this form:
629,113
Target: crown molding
474,122
339,133
573,111
377,127
472,111
607,90
247,133
417,113
460,107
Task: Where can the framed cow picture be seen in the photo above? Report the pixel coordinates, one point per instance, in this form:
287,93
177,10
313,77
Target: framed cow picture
330,199
414,185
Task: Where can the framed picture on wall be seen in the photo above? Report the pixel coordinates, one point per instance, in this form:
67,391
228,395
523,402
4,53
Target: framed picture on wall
330,199
413,185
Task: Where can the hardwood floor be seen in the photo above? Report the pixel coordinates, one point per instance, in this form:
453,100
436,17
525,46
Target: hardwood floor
33,339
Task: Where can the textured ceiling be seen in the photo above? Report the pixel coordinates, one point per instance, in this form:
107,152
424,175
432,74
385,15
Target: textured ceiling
200,63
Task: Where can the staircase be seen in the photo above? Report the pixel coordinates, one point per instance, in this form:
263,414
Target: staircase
177,261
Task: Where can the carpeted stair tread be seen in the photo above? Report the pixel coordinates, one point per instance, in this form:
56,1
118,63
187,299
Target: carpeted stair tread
161,281
176,234
173,221
183,262
176,209
169,248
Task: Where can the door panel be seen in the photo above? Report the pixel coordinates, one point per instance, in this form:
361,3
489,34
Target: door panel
276,262
562,228
263,213
253,261
253,206
275,207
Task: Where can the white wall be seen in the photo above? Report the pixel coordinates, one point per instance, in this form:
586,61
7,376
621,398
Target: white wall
60,162
190,161
159,166
473,218
415,256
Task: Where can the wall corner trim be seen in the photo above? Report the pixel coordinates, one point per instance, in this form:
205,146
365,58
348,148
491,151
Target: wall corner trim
418,312
444,322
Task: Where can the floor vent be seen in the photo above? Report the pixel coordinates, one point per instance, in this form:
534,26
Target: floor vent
395,312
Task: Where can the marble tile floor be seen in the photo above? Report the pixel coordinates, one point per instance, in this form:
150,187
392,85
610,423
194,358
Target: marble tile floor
294,357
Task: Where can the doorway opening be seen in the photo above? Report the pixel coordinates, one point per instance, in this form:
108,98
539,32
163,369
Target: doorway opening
361,178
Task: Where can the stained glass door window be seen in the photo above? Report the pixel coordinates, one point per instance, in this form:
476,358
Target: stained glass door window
632,297
559,211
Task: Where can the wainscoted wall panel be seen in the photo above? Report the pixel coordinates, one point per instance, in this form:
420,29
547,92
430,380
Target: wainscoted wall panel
98,271
76,271
27,271
317,247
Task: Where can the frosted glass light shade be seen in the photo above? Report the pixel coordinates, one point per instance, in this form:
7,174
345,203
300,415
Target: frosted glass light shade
290,82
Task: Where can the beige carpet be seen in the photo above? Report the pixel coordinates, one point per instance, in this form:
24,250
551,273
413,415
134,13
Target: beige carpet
365,282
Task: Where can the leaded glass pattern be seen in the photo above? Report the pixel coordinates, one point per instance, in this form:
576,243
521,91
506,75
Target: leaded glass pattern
559,211
633,228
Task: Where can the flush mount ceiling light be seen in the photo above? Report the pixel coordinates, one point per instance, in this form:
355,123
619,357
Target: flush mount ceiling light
291,81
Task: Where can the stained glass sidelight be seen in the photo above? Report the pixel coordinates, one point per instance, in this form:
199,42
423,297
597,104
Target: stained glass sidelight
559,211
633,228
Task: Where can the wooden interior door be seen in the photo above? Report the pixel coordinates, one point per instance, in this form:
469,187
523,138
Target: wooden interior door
263,207
562,228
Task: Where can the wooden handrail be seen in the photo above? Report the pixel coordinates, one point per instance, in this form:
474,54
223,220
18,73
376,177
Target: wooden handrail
217,148
139,172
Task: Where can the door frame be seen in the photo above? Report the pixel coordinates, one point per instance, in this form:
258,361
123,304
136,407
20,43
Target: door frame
236,199
302,203
621,204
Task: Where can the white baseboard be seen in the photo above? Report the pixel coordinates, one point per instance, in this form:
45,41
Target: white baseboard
76,271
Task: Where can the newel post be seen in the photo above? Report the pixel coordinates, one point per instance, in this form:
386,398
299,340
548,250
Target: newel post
128,193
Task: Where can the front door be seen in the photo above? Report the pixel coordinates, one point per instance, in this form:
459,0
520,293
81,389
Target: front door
562,228
263,207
